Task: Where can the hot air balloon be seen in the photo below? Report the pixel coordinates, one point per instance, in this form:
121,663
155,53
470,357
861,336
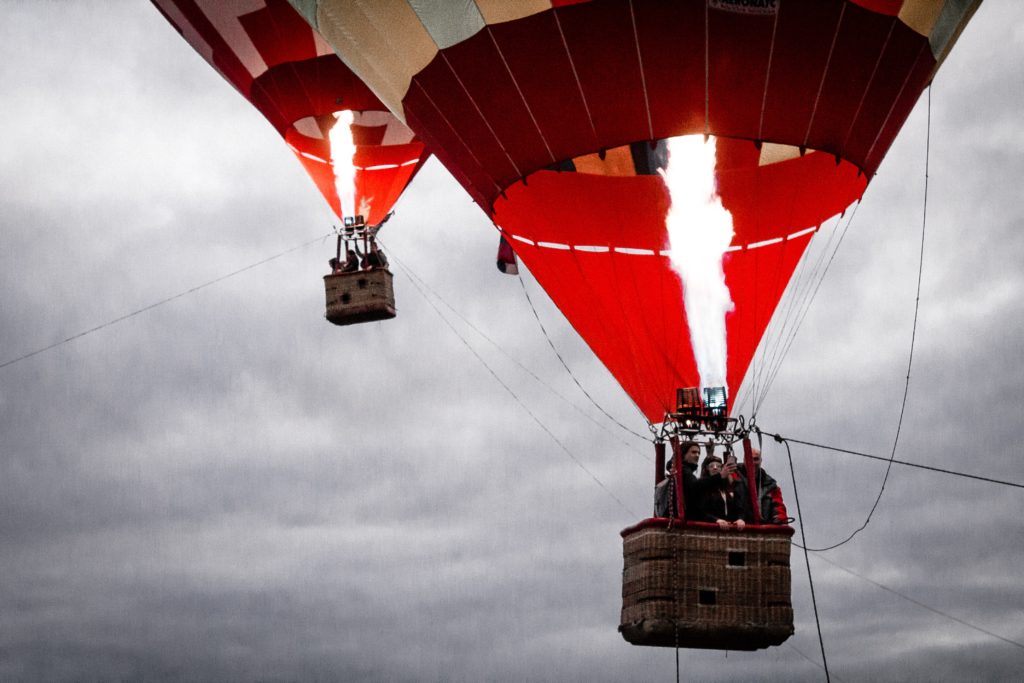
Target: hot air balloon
565,121
360,156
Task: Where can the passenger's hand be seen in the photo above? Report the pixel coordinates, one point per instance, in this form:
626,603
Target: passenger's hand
740,524
722,524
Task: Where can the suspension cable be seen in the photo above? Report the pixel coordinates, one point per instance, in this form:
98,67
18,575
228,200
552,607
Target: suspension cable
919,466
169,299
804,308
412,274
508,389
919,603
913,338
564,365
799,295
816,663
807,560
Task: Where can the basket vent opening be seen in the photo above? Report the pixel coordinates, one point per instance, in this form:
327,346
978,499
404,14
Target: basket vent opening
706,597
737,558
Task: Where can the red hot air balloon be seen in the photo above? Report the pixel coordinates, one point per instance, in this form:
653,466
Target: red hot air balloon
360,156
288,72
542,110
566,120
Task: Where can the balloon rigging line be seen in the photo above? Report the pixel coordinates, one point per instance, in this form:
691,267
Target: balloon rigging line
812,661
159,303
564,365
807,560
913,335
768,352
806,306
508,389
797,288
409,272
608,308
921,604
871,581
803,293
784,439
803,301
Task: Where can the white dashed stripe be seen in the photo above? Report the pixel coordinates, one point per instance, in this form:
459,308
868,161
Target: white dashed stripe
639,251
381,167
765,243
800,233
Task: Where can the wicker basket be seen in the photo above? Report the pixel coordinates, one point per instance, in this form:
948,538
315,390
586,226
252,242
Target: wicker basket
705,588
360,296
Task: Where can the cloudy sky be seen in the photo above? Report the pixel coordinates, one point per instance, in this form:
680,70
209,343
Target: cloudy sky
226,487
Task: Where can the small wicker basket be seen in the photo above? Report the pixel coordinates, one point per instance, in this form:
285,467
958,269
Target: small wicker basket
360,296
693,585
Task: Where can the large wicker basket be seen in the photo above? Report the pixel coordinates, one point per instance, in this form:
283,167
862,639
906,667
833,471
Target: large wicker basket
697,586
360,296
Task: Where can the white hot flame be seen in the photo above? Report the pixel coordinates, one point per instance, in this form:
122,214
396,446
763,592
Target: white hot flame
343,151
699,233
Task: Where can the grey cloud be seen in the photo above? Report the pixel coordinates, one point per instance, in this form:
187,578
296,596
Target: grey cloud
227,488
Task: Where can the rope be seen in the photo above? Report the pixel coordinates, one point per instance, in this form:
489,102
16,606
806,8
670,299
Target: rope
508,389
807,560
169,299
412,274
564,365
913,338
797,650
804,307
802,293
930,468
921,604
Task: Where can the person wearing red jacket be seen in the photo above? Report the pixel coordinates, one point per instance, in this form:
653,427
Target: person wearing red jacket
769,495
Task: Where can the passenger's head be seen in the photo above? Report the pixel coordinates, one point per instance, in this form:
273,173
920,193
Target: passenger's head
711,466
755,455
690,451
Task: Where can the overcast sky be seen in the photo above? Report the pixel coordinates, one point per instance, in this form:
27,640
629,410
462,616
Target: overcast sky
226,487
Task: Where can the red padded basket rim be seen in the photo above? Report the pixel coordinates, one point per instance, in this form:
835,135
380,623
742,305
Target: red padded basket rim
665,522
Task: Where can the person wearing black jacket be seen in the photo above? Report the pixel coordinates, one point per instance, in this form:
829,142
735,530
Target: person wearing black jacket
693,488
719,502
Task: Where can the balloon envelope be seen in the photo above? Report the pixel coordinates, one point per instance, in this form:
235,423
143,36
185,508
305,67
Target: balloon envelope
543,111
267,51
